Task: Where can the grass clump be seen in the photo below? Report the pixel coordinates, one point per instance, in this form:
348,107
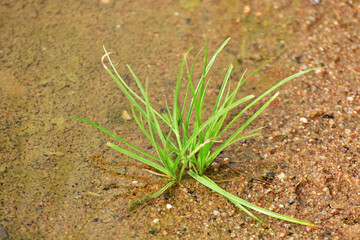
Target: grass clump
182,149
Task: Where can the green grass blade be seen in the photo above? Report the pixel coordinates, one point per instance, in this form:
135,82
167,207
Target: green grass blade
201,102
211,157
123,86
148,197
206,56
141,159
230,98
143,92
153,127
127,90
116,136
214,118
250,213
282,82
180,75
162,190
192,90
215,55
121,83
197,100
223,87
238,131
141,125
213,186
177,117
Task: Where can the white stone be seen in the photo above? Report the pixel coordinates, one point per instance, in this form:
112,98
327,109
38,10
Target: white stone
281,176
304,120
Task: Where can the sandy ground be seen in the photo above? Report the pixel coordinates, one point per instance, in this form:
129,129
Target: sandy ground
57,179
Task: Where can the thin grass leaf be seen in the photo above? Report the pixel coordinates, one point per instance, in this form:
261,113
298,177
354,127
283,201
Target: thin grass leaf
178,83
215,55
273,88
212,185
202,98
141,125
162,190
143,92
243,126
126,89
116,136
148,197
222,89
192,90
153,125
211,157
139,158
214,118
206,56
228,100
177,117
200,146
250,213
200,86
123,86
127,93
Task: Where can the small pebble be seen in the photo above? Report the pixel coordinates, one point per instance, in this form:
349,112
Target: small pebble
282,235
326,190
125,115
320,71
168,206
304,120
291,202
246,9
216,212
105,1
281,176
315,2
315,112
155,220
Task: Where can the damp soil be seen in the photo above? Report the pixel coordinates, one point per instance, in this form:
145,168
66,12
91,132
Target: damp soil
58,180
